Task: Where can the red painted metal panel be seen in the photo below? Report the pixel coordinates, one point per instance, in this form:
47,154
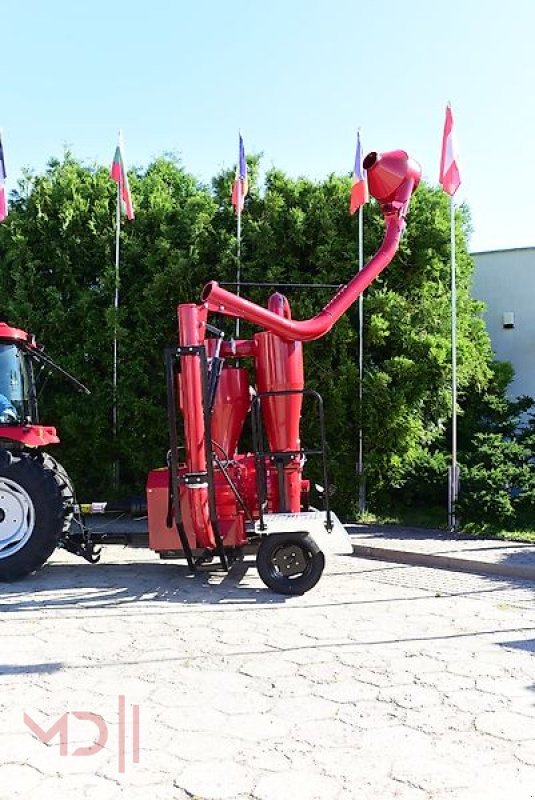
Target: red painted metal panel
232,402
16,335
30,435
279,367
191,322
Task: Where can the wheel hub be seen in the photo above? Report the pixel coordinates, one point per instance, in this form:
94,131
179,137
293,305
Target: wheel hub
17,517
290,560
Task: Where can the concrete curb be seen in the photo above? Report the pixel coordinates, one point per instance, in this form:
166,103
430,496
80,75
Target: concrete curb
438,561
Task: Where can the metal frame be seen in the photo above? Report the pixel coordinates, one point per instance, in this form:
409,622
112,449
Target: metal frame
261,453
172,358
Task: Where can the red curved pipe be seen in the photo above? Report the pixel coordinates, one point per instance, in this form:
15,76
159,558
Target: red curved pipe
392,178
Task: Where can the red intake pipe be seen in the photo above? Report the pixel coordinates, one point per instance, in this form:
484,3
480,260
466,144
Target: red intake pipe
392,178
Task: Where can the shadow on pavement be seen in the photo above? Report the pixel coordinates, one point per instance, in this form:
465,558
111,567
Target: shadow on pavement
526,645
25,669
81,585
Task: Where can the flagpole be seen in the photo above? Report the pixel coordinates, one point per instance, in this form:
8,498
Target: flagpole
453,483
238,252
360,464
115,327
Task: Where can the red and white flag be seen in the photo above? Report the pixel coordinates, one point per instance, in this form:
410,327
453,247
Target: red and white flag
449,179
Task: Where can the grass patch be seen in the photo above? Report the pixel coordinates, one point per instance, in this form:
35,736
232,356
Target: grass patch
436,518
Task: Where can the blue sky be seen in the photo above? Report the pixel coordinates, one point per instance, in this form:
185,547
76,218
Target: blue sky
297,77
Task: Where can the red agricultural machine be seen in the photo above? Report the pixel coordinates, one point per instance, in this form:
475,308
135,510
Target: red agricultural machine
211,500
36,494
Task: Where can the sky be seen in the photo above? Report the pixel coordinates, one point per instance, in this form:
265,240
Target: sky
298,78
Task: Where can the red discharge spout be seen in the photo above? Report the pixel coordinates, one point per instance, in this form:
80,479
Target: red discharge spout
392,178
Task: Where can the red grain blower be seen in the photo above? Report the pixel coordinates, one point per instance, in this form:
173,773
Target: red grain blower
211,499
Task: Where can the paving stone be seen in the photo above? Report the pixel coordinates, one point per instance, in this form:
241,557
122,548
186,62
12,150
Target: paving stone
371,715
506,725
517,687
410,696
346,691
302,709
216,780
439,721
446,681
20,777
473,701
264,758
234,704
324,733
267,667
367,687
298,785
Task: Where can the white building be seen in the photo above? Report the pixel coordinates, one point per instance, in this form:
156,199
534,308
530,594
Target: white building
505,281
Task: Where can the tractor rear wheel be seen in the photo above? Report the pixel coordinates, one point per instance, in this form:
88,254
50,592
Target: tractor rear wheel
289,563
31,515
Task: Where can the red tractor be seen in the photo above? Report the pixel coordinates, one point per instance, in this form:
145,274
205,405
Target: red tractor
210,499
36,494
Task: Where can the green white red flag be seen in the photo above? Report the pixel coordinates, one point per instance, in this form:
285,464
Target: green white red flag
119,175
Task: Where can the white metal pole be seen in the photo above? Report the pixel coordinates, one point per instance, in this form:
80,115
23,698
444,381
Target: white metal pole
454,478
360,465
115,327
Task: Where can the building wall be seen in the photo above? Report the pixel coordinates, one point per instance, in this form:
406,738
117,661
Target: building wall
505,281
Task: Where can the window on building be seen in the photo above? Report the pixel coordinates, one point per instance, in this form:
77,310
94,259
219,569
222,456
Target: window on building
508,319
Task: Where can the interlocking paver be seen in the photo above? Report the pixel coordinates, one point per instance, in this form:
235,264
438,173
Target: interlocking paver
385,681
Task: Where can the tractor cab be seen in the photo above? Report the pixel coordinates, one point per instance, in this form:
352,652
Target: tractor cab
19,418
17,388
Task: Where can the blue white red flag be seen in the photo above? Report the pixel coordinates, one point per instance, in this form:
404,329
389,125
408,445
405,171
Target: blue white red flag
241,181
359,191
3,200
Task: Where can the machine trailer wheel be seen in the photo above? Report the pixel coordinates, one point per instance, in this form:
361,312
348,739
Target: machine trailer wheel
289,563
31,515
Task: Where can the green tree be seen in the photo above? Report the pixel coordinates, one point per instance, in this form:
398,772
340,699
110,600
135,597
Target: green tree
57,277
300,231
58,280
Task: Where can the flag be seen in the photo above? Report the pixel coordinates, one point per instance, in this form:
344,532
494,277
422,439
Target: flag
241,182
118,174
359,191
449,179
3,201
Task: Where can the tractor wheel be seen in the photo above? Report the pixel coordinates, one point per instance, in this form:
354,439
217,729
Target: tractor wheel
31,515
65,486
290,563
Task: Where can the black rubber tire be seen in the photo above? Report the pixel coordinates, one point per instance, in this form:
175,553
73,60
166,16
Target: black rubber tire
299,553
41,486
65,486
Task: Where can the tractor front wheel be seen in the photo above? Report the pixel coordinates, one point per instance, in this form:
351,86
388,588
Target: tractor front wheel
289,563
31,515
65,485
